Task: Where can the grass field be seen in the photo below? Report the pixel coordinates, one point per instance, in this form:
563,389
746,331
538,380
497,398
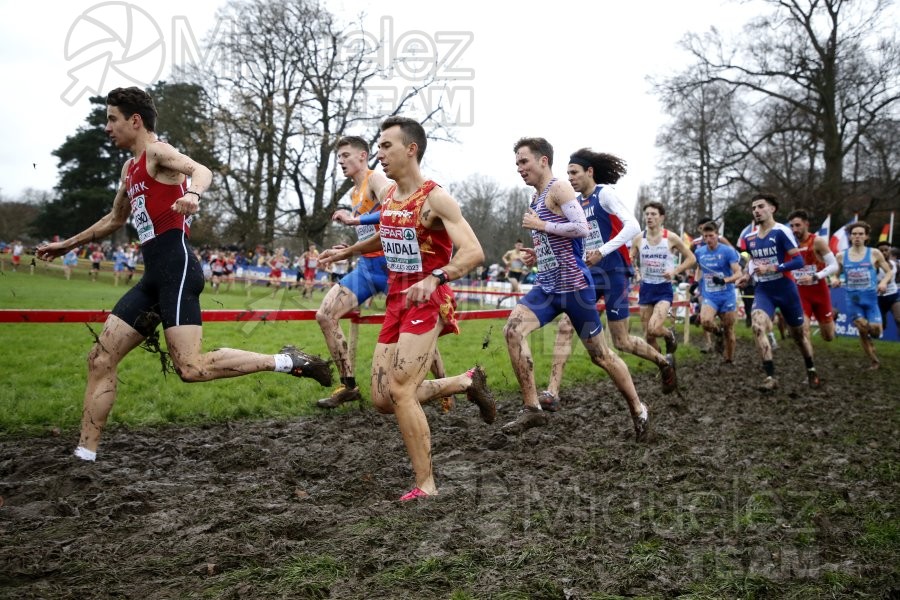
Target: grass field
45,363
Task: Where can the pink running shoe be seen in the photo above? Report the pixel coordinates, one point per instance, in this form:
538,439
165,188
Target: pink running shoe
413,494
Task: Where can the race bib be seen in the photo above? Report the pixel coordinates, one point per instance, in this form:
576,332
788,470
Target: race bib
859,279
804,271
654,268
364,232
141,219
594,239
546,260
709,286
769,260
401,249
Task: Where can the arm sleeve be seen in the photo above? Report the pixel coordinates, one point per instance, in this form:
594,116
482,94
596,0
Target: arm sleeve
611,203
372,218
795,263
831,266
576,227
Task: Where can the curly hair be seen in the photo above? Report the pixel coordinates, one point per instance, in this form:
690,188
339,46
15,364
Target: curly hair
133,100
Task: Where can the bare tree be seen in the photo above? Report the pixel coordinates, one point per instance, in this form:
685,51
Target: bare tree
494,213
821,62
292,83
701,144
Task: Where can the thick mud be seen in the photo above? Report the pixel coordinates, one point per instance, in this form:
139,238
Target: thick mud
741,494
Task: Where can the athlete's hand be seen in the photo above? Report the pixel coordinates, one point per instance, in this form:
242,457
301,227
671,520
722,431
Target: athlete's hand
742,281
593,257
333,254
806,280
343,216
421,291
529,257
530,220
669,275
50,251
718,280
882,288
188,204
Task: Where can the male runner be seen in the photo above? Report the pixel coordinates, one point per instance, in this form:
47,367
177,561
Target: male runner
515,266
610,226
558,226
860,265
889,301
155,191
420,225
719,266
819,264
370,277
773,253
654,250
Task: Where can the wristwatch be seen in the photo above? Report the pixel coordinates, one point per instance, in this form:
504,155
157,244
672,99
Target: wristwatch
441,276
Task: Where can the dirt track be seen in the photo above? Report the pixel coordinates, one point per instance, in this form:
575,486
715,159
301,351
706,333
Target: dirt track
741,495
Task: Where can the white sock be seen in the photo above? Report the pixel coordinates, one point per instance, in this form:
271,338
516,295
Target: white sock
283,363
85,454
643,414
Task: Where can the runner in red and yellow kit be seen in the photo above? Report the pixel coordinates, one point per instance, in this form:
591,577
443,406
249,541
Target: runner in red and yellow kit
812,278
420,223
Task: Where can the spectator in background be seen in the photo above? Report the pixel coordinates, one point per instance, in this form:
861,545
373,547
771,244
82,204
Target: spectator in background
70,261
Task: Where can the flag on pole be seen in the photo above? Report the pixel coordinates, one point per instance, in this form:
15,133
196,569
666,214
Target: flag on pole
746,231
887,232
840,241
825,230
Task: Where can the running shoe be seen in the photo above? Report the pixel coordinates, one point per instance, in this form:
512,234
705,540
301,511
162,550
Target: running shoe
548,401
479,395
671,344
341,395
308,365
528,417
813,377
669,378
642,429
769,384
413,494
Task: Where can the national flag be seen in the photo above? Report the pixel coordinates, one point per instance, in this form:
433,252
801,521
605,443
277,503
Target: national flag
887,232
840,241
825,230
745,232
687,239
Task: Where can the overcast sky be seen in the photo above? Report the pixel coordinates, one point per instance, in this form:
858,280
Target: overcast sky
573,72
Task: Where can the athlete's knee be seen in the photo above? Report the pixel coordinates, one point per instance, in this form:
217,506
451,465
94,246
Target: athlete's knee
512,333
623,341
382,403
189,373
99,359
324,317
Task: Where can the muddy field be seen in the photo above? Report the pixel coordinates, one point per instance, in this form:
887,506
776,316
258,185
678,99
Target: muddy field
741,495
